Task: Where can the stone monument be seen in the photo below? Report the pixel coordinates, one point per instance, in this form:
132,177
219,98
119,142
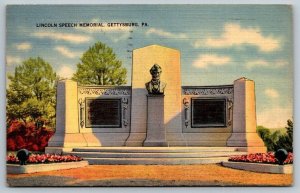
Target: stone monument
165,113
156,133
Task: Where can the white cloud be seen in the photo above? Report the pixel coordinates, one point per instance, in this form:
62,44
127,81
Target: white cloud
275,117
257,63
69,37
235,35
197,43
67,52
272,93
10,60
206,60
266,64
119,37
65,72
25,46
166,34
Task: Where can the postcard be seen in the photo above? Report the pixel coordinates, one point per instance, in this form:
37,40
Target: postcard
149,95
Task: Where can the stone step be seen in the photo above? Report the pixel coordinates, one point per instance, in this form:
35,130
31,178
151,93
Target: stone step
154,149
154,155
154,161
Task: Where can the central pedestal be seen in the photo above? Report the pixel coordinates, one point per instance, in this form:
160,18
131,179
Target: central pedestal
156,133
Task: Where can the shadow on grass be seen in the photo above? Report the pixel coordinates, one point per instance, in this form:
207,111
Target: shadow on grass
38,181
55,181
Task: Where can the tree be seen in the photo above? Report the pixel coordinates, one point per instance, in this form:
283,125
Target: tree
269,138
100,66
31,91
289,129
286,141
276,140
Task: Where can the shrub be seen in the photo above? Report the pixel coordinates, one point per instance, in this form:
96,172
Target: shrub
286,141
269,138
277,140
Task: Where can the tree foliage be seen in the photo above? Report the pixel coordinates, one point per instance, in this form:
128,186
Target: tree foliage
269,138
100,66
31,91
276,140
286,141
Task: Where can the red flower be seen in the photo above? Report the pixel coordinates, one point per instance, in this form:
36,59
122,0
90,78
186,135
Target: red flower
44,158
11,145
27,136
261,158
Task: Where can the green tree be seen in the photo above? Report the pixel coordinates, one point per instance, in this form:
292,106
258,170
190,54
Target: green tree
269,138
31,91
276,140
286,141
289,129
100,66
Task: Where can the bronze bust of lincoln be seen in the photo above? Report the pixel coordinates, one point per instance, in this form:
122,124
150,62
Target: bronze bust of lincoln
155,86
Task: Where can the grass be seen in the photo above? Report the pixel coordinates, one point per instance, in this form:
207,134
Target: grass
151,175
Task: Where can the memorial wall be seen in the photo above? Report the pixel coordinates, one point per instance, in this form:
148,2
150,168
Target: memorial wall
222,115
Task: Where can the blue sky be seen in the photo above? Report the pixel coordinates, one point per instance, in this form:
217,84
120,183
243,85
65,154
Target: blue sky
218,43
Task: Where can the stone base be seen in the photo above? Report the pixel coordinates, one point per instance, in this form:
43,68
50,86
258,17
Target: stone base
249,142
135,140
67,140
134,144
259,167
155,144
57,150
252,149
33,168
218,139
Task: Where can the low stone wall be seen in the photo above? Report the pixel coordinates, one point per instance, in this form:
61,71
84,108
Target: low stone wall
260,167
33,168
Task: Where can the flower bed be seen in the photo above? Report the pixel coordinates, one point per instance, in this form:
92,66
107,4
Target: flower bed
268,158
44,158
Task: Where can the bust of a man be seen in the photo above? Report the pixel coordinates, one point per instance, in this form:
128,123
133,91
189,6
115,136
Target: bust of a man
155,86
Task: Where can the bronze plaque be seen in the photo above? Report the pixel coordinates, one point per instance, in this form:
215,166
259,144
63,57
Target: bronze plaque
103,113
208,112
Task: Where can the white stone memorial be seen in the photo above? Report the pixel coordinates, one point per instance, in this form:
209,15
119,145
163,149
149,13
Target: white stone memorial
175,119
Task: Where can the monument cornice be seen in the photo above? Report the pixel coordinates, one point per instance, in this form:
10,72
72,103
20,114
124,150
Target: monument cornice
105,90
207,90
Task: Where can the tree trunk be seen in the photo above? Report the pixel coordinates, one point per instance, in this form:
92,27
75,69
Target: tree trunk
102,78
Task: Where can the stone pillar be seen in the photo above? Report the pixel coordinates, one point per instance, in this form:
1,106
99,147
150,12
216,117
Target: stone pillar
156,132
67,129
142,61
244,135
